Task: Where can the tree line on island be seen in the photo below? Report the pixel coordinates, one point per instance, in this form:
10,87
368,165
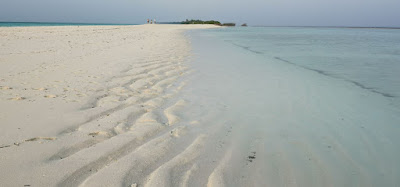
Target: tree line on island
213,22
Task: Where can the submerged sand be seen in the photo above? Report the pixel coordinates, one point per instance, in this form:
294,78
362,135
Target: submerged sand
78,100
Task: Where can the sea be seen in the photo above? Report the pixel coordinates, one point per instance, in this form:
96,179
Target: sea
313,106
366,57
37,24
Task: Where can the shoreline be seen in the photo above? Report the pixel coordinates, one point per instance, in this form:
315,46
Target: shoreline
48,24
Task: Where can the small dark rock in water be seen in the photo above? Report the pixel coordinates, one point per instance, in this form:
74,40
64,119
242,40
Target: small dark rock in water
244,25
252,157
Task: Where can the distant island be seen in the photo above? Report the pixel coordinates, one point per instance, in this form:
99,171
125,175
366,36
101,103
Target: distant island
213,22
197,21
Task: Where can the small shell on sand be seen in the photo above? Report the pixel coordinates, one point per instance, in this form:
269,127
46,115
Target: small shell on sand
40,89
50,96
17,98
194,122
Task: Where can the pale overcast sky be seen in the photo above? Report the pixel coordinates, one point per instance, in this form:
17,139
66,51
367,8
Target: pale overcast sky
253,12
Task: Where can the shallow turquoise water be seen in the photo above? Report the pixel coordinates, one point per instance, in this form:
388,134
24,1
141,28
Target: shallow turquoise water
368,58
318,106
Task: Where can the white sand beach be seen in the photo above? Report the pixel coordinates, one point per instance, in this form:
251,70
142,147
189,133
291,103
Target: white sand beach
76,99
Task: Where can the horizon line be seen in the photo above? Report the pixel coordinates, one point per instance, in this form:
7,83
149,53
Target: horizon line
166,22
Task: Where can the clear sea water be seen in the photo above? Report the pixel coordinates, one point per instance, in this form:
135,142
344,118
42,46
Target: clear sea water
367,57
319,106
36,24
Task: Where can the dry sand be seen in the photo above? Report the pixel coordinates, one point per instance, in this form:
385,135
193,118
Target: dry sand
93,106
